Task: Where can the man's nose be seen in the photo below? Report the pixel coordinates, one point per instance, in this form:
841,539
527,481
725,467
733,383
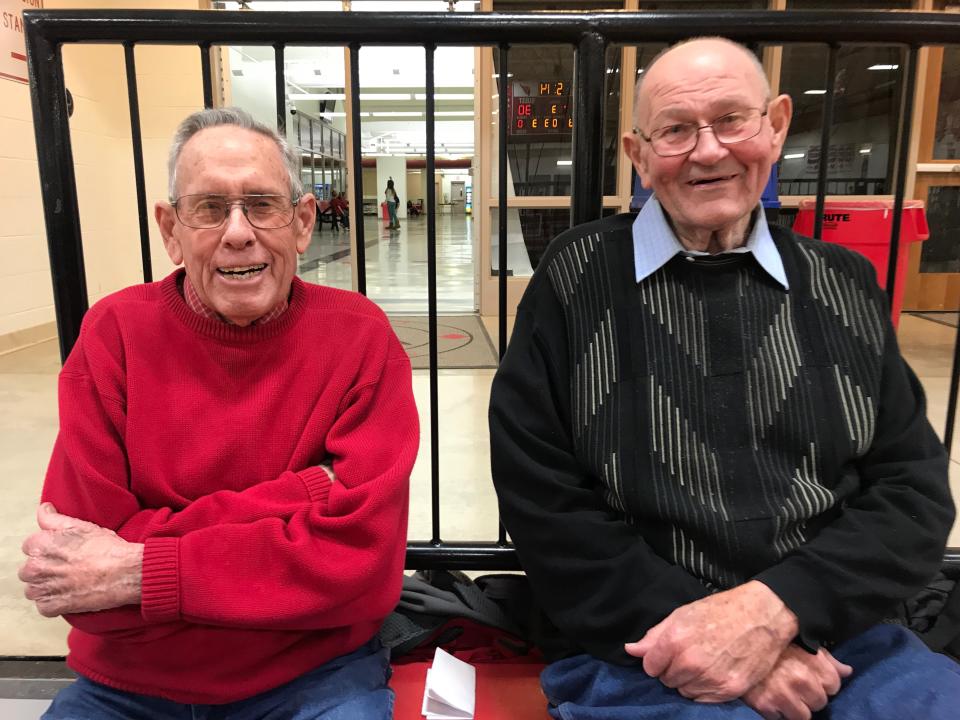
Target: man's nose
708,149
237,229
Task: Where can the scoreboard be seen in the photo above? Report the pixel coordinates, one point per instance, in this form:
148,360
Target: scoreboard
540,108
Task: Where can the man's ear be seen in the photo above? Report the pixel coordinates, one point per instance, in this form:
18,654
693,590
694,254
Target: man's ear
633,148
779,112
306,217
166,218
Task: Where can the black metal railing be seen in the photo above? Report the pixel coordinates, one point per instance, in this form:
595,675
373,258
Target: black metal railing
589,34
835,186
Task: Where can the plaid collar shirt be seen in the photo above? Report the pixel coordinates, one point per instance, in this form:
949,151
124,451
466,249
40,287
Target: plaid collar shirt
194,302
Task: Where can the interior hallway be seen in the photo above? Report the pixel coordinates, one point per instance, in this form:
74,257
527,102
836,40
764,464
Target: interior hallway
397,278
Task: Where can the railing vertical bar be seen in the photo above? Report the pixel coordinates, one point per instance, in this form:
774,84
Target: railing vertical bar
207,73
432,294
952,398
903,152
133,101
313,159
586,189
280,89
58,186
503,85
825,142
357,228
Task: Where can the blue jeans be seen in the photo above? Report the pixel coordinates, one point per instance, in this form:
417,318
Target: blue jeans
350,687
392,212
895,677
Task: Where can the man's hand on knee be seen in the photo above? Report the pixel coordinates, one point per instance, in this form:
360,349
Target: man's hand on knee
717,648
75,566
799,685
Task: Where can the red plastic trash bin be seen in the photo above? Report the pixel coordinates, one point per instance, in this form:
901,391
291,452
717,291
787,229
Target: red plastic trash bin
865,226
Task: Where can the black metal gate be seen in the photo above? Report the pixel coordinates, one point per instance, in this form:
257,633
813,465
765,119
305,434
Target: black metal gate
589,35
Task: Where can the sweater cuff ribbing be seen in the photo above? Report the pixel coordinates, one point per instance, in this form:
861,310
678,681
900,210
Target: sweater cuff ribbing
797,589
319,480
160,591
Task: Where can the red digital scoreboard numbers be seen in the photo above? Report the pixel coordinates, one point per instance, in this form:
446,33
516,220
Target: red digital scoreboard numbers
540,108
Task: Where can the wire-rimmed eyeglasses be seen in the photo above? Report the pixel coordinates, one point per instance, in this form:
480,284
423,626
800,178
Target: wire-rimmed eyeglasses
205,211
681,138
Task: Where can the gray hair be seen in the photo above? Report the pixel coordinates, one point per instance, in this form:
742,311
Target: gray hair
758,66
215,117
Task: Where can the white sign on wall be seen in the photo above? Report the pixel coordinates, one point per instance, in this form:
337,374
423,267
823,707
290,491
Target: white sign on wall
13,51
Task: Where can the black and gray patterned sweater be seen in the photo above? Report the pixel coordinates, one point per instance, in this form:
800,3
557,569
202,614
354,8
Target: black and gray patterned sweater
653,442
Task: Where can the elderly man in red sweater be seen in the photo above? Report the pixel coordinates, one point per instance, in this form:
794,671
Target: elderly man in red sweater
224,515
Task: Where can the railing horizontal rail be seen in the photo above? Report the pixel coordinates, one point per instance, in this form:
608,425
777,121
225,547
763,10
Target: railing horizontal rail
336,28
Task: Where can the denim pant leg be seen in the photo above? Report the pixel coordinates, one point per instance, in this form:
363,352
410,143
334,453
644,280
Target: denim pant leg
895,677
87,700
350,687
585,688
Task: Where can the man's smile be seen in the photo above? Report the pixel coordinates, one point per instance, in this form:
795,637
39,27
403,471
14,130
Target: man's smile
241,272
710,180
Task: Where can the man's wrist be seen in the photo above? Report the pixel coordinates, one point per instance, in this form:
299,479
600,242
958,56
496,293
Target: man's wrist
132,568
781,619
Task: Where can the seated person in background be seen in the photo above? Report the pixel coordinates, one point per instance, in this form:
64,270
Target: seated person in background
224,515
413,210
340,210
715,464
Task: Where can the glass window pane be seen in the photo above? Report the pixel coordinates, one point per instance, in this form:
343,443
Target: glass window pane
529,231
941,251
539,87
867,91
611,120
946,143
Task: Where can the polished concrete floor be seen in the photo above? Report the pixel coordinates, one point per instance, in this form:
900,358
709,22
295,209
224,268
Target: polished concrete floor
396,278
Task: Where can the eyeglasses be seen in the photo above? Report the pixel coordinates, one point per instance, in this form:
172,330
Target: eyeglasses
681,138
266,212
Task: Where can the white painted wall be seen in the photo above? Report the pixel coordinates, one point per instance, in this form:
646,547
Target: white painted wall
26,298
170,87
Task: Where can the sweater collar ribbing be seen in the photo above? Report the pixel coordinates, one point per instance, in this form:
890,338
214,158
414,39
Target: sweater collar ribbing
219,330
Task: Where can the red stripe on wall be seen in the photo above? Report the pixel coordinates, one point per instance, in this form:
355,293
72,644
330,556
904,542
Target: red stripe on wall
14,77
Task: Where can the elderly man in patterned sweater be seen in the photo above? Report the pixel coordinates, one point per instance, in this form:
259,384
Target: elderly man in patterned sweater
715,465
225,511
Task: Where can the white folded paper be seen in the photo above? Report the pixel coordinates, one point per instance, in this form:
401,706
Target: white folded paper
450,690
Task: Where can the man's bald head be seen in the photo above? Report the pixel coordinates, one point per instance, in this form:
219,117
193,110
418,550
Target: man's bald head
709,99
704,47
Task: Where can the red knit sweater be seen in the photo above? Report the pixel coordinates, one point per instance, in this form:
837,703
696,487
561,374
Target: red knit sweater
202,440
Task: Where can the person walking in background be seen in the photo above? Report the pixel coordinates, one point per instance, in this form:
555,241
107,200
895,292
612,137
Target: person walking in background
393,200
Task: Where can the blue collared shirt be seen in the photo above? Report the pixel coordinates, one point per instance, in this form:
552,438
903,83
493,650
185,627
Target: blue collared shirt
655,244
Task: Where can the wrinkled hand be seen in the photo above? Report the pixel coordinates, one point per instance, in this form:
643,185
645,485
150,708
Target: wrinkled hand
715,649
799,685
75,566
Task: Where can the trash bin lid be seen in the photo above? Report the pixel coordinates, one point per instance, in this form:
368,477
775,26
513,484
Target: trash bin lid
863,220
878,204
